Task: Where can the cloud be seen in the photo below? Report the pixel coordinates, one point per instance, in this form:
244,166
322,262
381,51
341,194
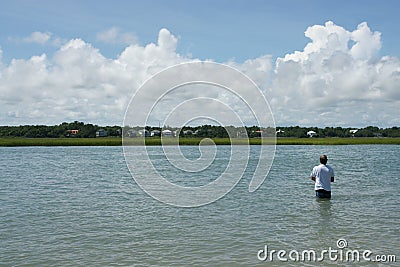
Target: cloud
336,79
166,40
367,43
114,35
79,83
38,37
338,75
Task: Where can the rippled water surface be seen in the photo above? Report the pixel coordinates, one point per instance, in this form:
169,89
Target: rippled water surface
79,206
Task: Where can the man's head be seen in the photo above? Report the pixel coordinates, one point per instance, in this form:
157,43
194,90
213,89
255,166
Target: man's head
323,159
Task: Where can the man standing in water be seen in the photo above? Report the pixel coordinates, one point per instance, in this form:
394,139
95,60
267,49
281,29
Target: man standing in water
322,175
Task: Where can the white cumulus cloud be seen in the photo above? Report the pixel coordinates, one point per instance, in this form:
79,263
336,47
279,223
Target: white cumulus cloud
336,79
79,83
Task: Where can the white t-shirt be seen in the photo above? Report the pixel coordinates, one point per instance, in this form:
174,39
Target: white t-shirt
322,174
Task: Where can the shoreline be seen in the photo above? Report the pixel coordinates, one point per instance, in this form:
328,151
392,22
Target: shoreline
117,141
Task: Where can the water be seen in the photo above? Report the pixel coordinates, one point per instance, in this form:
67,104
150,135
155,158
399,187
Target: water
79,206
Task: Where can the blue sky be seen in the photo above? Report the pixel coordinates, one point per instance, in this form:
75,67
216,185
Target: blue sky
232,32
219,30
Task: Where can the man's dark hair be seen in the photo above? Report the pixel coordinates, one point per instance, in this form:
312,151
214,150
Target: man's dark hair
323,159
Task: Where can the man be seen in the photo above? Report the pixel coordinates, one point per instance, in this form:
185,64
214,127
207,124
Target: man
322,175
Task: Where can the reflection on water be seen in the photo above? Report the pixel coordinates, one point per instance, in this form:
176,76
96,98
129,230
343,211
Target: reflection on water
324,208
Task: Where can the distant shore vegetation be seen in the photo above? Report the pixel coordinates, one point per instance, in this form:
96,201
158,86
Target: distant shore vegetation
81,134
86,130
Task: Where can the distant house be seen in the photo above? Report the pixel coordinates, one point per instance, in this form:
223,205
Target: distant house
188,132
101,133
377,135
311,134
257,133
353,132
167,133
144,133
132,133
71,133
155,133
241,134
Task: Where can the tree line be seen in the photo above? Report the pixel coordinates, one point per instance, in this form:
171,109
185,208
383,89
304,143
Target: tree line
83,130
73,129
370,131
294,131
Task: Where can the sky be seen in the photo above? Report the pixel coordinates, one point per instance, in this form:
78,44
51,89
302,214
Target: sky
317,63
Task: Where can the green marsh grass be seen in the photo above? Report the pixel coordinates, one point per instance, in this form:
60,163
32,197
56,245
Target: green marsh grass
156,141
338,141
17,141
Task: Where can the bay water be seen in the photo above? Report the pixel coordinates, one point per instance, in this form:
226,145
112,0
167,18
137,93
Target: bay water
79,206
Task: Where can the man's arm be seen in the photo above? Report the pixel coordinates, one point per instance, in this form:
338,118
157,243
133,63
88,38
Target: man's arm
312,175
